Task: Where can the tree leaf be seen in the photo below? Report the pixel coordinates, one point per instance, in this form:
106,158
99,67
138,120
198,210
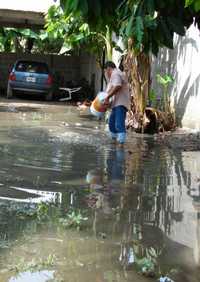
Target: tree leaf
188,2
197,6
43,35
29,33
69,5
129,27
139,30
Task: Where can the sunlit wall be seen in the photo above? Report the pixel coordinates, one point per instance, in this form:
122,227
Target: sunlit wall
182,64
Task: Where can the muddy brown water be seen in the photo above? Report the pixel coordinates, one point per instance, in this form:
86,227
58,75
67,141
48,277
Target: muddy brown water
141,204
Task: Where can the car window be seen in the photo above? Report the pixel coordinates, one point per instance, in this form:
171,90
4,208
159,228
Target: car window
33,67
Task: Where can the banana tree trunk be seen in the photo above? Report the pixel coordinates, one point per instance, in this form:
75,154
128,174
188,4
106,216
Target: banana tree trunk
137,67
109,47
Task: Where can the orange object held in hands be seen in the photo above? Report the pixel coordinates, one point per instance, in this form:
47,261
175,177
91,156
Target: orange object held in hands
98,108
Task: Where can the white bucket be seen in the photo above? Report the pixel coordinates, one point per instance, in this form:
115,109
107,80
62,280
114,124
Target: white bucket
97,108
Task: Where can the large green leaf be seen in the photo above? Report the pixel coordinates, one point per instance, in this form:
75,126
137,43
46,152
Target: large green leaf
129,27
139,30
69,5
188,2
43,35
197,6
29,33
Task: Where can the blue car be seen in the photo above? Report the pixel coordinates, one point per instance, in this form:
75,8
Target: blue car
30,77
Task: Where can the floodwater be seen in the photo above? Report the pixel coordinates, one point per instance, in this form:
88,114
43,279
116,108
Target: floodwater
74,207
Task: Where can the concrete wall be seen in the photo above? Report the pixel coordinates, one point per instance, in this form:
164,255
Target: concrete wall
90,70
69,68
182,64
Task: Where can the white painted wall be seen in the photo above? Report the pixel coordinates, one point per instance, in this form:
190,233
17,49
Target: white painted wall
183,64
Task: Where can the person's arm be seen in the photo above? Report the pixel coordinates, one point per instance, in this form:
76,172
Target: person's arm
112,91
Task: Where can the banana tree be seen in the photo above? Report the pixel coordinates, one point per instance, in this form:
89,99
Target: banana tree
145,27
149,26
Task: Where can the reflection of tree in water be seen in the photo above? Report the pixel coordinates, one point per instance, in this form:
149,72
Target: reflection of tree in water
147,208
184,177
144,192
149,174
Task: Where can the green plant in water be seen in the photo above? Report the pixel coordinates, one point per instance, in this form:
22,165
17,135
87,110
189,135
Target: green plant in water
73,219
149,262
145,265
24,212
34,265
42,211
48,212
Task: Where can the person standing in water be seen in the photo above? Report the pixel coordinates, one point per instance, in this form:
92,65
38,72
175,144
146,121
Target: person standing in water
118,90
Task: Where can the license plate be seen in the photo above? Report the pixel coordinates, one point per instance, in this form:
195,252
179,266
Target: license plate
30,79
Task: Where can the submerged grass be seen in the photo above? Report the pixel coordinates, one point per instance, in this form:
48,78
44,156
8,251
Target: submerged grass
33,265
54,216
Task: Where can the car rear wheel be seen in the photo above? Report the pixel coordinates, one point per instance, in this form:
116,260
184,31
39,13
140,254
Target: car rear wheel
9,92
49,96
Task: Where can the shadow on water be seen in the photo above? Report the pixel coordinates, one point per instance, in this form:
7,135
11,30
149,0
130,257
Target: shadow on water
75,208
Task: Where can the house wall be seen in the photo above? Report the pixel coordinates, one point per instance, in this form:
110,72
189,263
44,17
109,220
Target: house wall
69,68
182,64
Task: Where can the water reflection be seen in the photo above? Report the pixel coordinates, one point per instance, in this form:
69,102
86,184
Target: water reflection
115,166
105,184
40,276
142,204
